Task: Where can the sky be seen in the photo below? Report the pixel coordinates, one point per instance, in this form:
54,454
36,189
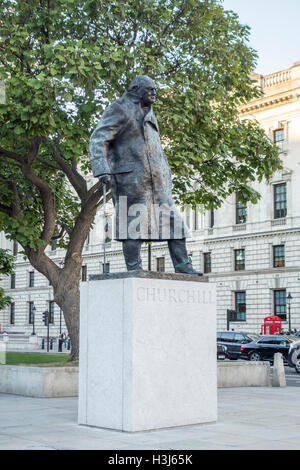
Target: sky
275,31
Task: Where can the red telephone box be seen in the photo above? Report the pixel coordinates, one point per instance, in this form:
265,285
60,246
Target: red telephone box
272,325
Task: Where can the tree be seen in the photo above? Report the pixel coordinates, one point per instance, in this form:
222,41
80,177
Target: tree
6,268
63,61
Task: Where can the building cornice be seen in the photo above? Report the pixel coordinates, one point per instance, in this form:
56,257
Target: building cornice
29,290
245,236
270,101
256,272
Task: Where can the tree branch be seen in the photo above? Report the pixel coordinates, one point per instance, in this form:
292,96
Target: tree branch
43,264
16,207
45,192
8,154
83,224
48,164
78,175
33,150
75,179
60,235
174,20
14,210
6,209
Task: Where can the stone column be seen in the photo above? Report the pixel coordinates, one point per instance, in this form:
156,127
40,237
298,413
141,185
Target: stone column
2,92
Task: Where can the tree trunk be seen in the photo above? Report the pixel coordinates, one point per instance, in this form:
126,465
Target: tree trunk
70,308
67,296
65,283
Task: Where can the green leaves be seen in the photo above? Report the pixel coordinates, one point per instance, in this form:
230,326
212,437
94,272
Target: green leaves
66,60
6,268
6,262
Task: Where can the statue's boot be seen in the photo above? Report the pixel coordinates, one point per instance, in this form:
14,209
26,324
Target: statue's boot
180,258
131,251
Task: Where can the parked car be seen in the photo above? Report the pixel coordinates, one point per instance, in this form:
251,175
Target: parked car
233,340
221,352
294,355
265,347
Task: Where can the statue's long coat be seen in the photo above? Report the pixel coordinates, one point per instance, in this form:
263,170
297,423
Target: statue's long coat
126,145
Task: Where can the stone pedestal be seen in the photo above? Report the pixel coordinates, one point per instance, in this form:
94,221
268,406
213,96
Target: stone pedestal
147,351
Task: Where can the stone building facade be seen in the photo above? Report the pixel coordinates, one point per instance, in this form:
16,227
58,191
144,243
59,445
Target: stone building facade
252,253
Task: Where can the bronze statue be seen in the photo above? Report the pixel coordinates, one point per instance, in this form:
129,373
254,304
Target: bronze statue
126,152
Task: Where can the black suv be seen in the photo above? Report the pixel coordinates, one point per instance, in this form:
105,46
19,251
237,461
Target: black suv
233,340
265,347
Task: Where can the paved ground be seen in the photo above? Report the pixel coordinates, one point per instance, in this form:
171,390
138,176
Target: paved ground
249,418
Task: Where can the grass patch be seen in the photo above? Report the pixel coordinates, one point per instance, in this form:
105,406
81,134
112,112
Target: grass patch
37,359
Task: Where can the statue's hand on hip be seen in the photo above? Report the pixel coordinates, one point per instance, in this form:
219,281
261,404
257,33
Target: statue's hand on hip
104,178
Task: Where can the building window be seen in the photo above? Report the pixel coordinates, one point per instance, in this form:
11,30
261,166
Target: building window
278,256
239,260
105,268
15,248
12,313
241,213
30,312
51,311
212,218
160,264
31,279
13,281
207,262
83,273
240,306
280,201
278,138
280,303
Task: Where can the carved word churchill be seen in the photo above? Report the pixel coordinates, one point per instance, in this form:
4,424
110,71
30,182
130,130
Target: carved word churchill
181,296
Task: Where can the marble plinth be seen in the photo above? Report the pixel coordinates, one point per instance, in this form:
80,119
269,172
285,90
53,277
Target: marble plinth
147,352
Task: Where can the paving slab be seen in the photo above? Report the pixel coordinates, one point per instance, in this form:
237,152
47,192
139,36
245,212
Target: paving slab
248,419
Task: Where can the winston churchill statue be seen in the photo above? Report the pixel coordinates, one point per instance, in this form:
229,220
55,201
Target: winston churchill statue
126,152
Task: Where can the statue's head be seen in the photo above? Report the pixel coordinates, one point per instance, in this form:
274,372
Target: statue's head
143,87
